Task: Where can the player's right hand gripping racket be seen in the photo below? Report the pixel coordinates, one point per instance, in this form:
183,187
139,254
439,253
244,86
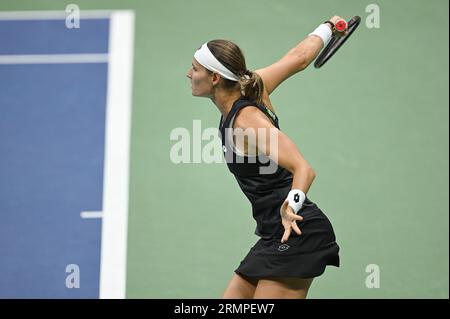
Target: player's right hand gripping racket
336,42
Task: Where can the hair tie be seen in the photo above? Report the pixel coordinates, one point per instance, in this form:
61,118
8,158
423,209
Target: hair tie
247,74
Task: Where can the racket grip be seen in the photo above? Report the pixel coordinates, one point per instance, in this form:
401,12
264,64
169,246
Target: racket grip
341,25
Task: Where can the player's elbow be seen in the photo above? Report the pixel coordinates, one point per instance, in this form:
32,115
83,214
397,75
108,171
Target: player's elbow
313,174
304,169
309,172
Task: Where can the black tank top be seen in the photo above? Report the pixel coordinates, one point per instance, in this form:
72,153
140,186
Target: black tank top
266,192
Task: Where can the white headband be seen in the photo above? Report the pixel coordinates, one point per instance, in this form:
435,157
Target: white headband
209,61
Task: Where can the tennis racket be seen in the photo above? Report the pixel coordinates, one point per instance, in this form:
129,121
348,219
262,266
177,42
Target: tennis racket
336,42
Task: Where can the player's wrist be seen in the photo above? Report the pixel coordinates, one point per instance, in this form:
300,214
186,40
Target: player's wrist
295,199
324,32
331,25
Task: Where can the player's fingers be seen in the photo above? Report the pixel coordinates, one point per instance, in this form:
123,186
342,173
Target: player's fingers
286,234
295,227
298,217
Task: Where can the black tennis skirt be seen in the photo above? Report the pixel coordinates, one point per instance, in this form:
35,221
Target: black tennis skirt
302,256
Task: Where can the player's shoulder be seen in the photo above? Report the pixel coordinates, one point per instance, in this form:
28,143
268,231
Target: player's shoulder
251,116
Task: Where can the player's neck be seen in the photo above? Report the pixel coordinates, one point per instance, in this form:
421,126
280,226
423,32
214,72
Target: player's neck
224,100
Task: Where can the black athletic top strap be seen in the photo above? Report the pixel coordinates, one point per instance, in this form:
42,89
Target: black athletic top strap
240,104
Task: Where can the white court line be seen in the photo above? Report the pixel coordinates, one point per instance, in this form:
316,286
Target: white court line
117,138
53,58
49,15
117,152
88,215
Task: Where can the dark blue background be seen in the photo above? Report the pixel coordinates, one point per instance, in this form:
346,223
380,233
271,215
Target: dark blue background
52,125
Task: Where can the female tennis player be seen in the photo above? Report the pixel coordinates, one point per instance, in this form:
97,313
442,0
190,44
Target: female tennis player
282,263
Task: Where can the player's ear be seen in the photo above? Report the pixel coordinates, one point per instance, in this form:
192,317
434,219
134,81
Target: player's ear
215,78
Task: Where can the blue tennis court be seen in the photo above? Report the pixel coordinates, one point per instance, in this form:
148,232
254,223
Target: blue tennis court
57,202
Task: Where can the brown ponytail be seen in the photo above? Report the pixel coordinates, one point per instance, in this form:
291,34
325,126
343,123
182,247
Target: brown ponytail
252,86
230,55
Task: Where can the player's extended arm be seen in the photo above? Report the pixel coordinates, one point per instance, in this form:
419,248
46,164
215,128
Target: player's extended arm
296,60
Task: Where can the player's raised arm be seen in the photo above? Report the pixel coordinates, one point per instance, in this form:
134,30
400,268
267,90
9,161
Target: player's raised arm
297,58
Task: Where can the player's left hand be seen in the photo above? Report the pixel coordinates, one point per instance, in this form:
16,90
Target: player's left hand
289,219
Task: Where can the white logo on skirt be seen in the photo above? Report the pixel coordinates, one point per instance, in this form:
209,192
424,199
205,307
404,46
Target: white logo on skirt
283,247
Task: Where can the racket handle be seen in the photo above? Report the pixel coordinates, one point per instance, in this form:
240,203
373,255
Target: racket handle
341,25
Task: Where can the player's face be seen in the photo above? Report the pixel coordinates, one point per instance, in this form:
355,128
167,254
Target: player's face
201,79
